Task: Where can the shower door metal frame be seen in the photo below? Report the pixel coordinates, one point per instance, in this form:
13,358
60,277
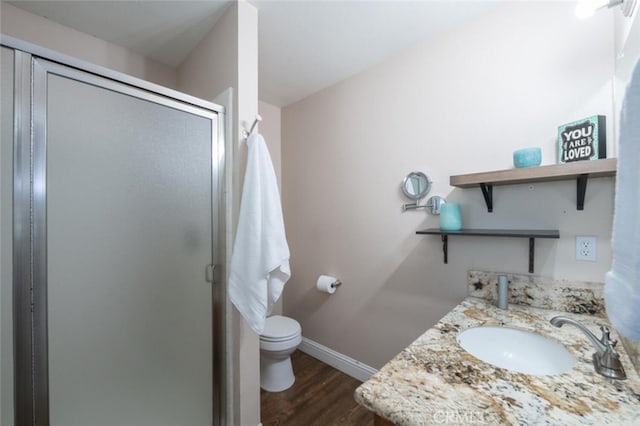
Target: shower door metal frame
22,255
30,233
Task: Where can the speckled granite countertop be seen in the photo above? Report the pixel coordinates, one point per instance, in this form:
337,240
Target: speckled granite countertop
435,381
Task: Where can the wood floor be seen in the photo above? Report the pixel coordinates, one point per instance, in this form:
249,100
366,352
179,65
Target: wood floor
321,396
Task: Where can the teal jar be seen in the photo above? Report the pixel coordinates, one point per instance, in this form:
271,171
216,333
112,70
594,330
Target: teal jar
527,157
450,217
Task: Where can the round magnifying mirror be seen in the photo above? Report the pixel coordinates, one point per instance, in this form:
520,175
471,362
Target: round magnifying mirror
416,185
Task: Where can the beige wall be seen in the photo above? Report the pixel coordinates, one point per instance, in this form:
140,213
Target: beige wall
459,103
270,128
45,33
228,57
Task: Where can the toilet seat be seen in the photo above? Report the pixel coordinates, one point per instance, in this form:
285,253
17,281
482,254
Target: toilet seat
280,345
278,329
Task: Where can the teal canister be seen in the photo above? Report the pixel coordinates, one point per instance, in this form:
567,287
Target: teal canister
450,217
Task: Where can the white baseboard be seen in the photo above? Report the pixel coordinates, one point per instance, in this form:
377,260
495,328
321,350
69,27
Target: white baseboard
340,362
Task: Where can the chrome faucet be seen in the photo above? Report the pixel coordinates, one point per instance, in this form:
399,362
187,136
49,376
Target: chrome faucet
605,360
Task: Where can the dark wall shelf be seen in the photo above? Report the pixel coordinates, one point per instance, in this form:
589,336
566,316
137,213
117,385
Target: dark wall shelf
531,234
580,170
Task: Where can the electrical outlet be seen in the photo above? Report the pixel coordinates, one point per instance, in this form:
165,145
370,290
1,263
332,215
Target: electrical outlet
586,248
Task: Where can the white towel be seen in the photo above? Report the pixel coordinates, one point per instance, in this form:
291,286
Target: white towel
260,259
622,283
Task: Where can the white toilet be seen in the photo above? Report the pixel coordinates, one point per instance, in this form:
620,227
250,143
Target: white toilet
281,336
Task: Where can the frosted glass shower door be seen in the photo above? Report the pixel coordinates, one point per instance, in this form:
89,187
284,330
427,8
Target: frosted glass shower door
128,240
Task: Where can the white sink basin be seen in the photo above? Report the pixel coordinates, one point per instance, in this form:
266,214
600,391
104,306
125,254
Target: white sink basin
517,350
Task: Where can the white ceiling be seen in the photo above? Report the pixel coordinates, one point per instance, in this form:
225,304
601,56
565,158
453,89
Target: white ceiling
304,45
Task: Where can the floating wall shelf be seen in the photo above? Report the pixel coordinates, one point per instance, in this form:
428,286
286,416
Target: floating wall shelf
580,170
532,234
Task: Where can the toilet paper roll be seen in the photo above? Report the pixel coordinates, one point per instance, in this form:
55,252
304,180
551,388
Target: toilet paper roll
324,284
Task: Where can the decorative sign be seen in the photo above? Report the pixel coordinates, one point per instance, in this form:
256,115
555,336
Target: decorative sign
584,139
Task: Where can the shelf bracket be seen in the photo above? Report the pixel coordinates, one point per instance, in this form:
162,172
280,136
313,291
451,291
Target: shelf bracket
445,248
581,190
532,243
487,193
530,234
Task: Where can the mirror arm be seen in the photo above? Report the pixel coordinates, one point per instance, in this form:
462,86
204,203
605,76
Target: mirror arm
432,206
412,206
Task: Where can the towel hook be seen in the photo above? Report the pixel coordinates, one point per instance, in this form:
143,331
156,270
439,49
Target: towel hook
253,126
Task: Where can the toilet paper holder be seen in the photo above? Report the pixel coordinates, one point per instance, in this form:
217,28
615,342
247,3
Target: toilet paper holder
328,284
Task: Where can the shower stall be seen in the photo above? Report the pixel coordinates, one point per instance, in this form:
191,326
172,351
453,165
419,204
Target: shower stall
111,233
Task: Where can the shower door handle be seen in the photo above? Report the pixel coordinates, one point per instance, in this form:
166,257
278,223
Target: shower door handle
210,273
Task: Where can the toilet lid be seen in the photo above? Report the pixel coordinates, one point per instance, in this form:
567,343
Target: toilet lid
278,327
